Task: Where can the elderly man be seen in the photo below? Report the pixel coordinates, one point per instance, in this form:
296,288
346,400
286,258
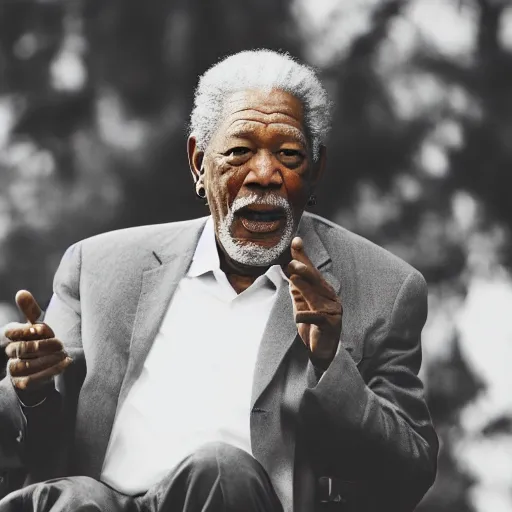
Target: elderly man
260,359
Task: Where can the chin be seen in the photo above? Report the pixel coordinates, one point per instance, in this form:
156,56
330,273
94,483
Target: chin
256,232
254,254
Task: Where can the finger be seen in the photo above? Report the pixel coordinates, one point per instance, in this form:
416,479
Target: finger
319,318
306,271
28,306
313,275
298,300
29,332
298,253
25,367
316,293
4,340
306,299
31,349
41,378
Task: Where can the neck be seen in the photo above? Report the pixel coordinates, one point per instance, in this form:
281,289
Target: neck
241,276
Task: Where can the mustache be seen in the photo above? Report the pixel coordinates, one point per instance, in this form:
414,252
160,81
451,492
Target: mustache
268,199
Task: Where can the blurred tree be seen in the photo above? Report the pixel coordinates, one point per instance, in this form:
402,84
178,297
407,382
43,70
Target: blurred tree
371,140
481,165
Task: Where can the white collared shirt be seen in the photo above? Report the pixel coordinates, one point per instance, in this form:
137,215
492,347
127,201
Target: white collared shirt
196,383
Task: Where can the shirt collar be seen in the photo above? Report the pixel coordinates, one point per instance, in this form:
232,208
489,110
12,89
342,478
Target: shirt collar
206,257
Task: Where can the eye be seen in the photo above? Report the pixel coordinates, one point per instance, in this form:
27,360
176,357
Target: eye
237,151
290,152
291,157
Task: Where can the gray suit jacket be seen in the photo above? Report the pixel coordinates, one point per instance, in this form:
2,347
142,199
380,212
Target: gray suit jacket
364,422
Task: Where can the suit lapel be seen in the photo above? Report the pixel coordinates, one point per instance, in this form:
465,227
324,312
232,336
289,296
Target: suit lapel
281,330
277,339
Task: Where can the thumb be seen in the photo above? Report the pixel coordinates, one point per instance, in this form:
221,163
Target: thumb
28,306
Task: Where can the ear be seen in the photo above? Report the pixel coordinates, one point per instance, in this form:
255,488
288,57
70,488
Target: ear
195,158
319,166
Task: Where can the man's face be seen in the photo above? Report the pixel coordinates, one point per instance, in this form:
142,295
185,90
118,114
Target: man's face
258,175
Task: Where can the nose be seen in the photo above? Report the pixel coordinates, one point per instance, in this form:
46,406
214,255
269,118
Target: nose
264,171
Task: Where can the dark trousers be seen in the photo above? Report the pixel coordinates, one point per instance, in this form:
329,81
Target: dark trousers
216,478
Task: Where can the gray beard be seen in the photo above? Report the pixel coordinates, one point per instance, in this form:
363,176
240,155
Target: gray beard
249,253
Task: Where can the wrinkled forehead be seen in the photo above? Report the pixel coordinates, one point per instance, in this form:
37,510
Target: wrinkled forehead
276,110
248,128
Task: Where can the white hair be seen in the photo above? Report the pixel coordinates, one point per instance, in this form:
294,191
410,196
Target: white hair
266,70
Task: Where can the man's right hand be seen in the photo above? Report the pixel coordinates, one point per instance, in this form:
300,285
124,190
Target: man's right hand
35,355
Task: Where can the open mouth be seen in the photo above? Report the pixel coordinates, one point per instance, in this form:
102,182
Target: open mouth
259,218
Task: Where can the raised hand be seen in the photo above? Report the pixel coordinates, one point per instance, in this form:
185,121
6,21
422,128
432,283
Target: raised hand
35,355
316,306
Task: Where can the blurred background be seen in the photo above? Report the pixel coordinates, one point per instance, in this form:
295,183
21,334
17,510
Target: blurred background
94,102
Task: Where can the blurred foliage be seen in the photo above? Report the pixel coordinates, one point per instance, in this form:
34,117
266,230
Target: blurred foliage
94,103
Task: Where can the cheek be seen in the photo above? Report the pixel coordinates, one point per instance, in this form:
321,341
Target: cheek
229,181
234,183
225,184
297,189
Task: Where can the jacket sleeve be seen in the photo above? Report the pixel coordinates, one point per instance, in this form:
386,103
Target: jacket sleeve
12,429
31,438
371,424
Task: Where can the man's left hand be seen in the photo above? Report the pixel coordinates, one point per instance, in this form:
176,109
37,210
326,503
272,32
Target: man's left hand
316,307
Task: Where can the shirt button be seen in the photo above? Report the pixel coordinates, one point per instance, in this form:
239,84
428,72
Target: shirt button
19,439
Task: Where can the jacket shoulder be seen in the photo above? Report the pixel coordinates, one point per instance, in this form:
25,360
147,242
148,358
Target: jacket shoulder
361,254
134,236
130,245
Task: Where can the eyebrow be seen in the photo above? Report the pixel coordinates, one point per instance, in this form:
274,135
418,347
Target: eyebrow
290,131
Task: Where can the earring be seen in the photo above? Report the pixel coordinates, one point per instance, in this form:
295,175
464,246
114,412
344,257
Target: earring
312,200
200,191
